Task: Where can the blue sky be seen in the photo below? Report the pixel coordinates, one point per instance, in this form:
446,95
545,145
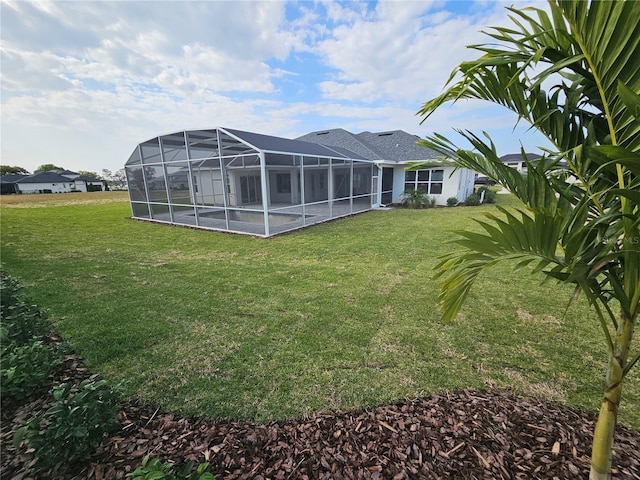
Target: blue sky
84,82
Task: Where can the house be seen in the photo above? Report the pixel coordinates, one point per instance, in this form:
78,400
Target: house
57,181
513,160
244,182
45,182
8,183
393,151
517,162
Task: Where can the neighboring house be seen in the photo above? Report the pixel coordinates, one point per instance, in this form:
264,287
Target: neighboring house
57,181
88,184
392,151
244,182
8,183
45,182
513,160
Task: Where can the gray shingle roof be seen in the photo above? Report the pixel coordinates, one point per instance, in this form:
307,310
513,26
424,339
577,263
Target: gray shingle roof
338,137
12,177
396,145
517,157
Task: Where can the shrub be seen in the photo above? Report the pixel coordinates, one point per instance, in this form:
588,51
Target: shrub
489,194
473,200
452,201
417,199
73,427
20,321
26,369
157,470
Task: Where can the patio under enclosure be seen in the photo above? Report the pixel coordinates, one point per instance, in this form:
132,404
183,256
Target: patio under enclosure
243,182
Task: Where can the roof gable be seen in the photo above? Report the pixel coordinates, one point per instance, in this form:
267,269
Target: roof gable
396,145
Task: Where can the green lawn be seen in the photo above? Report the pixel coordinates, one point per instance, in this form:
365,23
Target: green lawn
334,317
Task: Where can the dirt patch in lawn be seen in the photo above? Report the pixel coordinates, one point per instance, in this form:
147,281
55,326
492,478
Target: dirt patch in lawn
463,435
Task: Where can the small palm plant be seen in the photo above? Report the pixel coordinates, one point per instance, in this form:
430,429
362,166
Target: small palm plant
416,198
584,233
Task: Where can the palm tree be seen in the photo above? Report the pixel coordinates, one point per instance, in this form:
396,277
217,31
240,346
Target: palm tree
574,75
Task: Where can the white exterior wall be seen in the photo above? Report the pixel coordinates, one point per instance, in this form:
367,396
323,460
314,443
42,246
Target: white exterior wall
398,184
466,183
40,187
80,186
210,187
455,183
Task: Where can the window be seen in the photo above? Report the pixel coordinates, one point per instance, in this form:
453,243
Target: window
429,181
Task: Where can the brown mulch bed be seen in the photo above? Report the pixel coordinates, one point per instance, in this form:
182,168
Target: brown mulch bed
462,435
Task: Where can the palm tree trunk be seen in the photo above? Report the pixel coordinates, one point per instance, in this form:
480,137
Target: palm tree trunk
605,426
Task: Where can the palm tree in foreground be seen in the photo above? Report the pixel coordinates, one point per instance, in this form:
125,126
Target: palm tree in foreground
573,75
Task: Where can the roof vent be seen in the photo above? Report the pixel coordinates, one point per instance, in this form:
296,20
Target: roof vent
322,133
385,134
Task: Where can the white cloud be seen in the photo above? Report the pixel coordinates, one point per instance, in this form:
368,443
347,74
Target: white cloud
405,51
84,82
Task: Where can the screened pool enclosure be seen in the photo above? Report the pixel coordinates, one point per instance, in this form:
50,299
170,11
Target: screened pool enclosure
242,182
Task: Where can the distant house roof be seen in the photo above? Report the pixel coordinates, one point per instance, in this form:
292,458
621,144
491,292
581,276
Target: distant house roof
12,177
532,158
517,157
395,145
45,177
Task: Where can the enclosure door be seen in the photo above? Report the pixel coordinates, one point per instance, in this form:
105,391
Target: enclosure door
341,183
315,186
250,190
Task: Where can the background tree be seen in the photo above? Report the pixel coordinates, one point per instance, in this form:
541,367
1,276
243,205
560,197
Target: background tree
585,233
85,173
46,167
116,180
6,169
